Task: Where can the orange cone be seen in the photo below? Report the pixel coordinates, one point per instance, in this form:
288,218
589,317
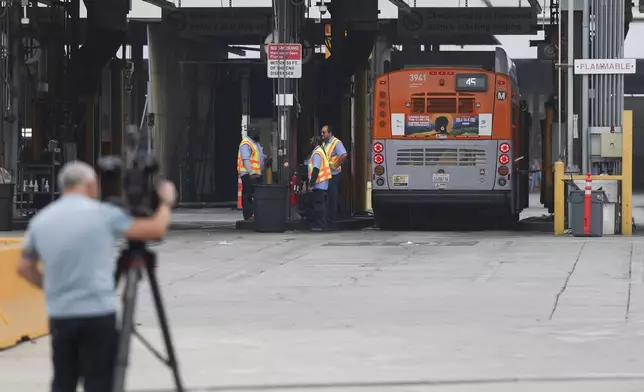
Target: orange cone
239,193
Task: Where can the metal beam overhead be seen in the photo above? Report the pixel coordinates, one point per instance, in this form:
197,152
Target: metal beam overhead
401,5
533,3
168,5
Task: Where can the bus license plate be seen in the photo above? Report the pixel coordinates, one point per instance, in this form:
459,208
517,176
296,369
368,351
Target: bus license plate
440,177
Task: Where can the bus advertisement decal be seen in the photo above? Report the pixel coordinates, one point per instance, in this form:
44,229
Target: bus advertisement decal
400,180
443,125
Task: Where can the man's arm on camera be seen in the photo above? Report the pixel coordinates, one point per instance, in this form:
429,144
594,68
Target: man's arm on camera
28,264
144,229
152,228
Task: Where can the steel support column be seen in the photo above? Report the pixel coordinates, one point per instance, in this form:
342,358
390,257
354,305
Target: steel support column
585,51
13,112
606,30
288,22
570,56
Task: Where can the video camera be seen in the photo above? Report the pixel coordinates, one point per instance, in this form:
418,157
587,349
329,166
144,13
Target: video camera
135,171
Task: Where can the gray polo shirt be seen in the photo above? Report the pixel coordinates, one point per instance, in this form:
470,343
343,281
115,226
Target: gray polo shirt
75,239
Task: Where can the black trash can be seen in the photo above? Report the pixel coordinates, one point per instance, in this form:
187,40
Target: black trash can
269,202
6,207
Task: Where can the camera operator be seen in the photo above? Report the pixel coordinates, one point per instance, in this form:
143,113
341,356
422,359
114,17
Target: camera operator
74,238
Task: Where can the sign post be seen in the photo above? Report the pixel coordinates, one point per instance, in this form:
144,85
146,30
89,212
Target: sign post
284,61
604,66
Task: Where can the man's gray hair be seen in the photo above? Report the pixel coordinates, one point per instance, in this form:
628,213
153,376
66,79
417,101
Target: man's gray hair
75,173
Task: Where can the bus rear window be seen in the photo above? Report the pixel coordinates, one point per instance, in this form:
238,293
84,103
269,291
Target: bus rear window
441,105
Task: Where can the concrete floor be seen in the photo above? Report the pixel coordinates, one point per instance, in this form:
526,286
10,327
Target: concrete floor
382,311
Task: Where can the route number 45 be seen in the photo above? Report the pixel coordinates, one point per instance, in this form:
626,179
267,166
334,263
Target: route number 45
417,77
470,82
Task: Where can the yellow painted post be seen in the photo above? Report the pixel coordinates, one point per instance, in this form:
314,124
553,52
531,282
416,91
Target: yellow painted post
559,198
269,175
627,173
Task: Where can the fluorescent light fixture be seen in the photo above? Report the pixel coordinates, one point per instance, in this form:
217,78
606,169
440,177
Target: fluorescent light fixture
168,5
401,5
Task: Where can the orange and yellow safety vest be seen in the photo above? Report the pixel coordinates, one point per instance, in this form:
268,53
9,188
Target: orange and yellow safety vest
329,148
325,170
254,158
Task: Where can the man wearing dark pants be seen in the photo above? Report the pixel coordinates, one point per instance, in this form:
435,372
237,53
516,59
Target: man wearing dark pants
248,192
250,160
319,176
336,153
74,239
83,347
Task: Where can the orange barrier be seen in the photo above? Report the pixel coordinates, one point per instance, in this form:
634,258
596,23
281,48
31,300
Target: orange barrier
23,315
239,193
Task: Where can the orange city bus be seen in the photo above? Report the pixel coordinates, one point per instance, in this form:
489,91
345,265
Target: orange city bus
449,139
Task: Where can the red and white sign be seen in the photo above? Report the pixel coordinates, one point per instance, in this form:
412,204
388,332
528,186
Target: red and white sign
284,61
604,66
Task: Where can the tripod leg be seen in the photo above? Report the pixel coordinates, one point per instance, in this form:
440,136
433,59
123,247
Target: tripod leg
165,328
127,327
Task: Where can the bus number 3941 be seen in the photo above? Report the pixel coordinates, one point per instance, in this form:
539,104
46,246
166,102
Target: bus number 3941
417,77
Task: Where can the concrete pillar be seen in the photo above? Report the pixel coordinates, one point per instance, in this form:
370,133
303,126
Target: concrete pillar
169,98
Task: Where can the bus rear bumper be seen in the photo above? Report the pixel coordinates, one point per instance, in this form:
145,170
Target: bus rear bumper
384,198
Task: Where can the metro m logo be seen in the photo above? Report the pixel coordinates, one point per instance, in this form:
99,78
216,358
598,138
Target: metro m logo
501,95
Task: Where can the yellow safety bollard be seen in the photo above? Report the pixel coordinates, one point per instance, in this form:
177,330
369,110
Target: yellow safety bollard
627,173
559,197
269,175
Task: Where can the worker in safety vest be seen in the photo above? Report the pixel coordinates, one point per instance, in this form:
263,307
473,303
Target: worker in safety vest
319,177
250,161
336,153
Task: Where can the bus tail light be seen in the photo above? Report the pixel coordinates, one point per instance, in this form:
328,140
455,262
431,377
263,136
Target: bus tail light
504,148
504,159
378,159
379,170
503,171
378,147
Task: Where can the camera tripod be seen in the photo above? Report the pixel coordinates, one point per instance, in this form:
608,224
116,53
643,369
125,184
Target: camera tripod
131,263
